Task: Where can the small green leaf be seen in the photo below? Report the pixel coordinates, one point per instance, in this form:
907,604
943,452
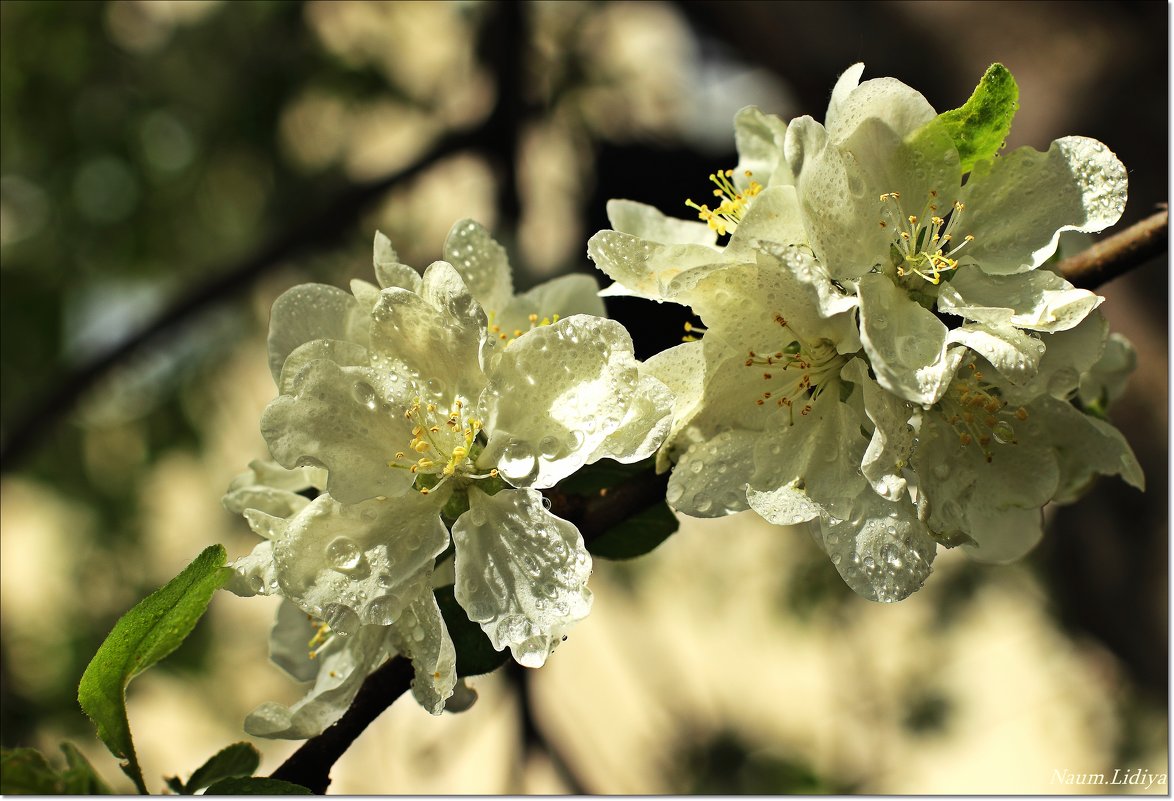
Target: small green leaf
79,777
25,771
980,126
256,785
475,654
636,535
237,760
150,631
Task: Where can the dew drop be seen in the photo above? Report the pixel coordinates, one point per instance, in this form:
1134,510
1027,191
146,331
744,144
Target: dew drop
696,466
1003,432
364,394
341,619
344,554
549,447
703,505
381,611
256,583
518,464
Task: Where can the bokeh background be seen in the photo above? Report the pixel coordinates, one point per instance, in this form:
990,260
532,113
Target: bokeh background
168,168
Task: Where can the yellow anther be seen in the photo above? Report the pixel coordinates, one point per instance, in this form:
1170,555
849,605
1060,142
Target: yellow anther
420,446
533,319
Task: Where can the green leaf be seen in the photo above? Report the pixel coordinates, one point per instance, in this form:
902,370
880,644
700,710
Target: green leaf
25,771
150,631
636,535
475,654
602,475
256,785
237,760
980,127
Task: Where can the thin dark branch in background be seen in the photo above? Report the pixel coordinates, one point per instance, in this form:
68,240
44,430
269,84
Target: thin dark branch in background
1120,253
319,231
533,738
310,765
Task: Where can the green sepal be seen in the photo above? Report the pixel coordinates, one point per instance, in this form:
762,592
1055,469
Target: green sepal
256,785
234,761
636,535
980,126
475,654
147,633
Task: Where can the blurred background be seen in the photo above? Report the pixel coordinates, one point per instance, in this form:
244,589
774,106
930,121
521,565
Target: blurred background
168,168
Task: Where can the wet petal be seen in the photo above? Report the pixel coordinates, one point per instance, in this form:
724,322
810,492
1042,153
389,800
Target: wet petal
905,342
711,477
422,635
644,268
1018,204
1037,301
647,222
481,262
550,301
521,572
313,311
645,424
360,563
1012,352
555,395
759,138
893,439
346,420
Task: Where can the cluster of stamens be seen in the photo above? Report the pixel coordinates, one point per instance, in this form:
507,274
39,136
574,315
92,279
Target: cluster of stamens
796,370
977,413
322,635
725,218
535,322
426,436
926,248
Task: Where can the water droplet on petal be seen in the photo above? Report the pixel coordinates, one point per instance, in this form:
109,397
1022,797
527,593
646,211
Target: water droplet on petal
341,619
1003,432
549,447
364,394
381,611
344,554
518,464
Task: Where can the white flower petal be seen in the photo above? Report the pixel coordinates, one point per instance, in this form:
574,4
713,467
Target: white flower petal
711,477
289,642
521,572
905,342
840,210
645,425
1012,352
388,270
882,550
554,299
644,268
759,138
344,419
434,339
1106,379
481,262
893,439
360,563
422,635
554,396
682,370
1006,533
1068,355
270,488
1085,446
341,352
1037,301
846,84
647,222
808,464
773,216
366,294
1018,204
343,666
255,574
313,311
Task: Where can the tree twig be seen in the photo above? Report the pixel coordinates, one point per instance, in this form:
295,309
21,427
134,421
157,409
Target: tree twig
1123,251
310,765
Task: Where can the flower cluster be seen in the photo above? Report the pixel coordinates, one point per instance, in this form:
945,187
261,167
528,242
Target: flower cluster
419,419
885,352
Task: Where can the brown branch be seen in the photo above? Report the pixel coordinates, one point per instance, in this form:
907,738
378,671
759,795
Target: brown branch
1123,251
310,765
